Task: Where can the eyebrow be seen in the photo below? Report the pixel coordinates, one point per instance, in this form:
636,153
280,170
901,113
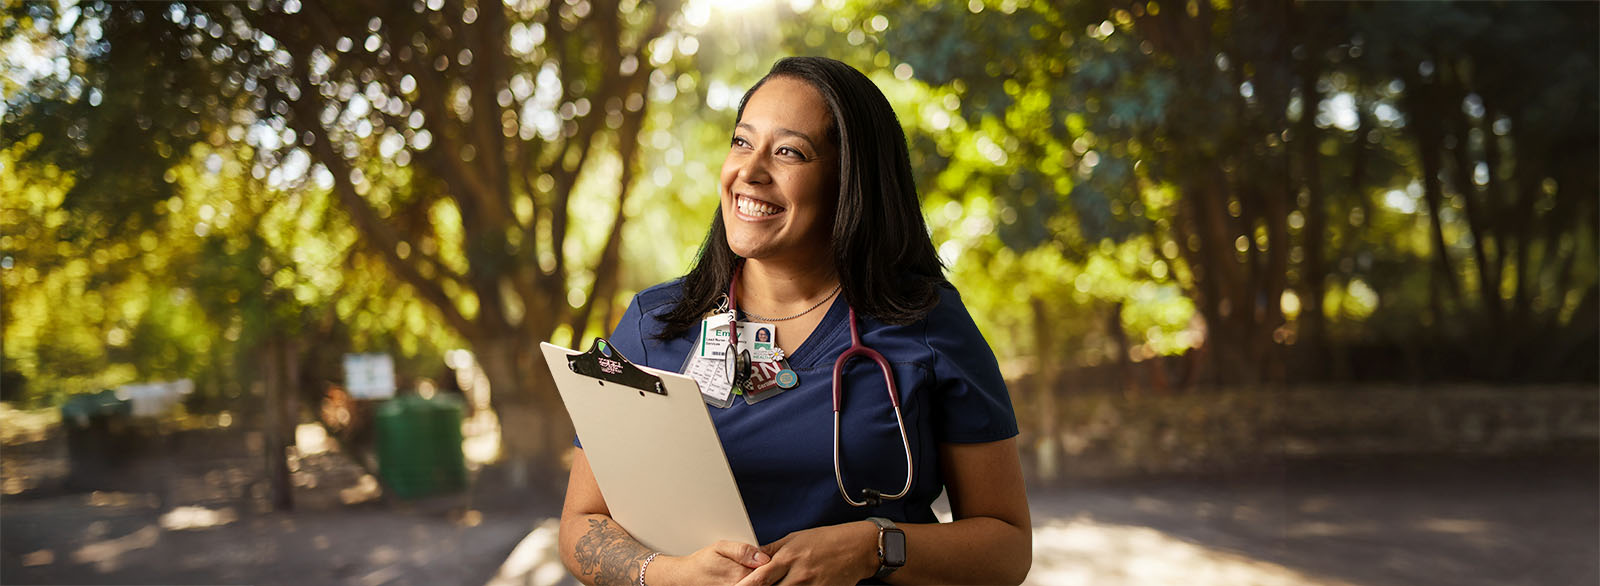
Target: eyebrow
781,131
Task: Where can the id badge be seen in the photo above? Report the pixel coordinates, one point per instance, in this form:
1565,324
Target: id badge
707,364
759,340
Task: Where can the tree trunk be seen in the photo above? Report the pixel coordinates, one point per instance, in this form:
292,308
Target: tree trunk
1529,176
535,431
276,382
1047,448
1461,175
1125,382
1313,268
1429,144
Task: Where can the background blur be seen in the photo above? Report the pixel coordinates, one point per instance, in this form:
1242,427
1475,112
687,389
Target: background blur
1287,293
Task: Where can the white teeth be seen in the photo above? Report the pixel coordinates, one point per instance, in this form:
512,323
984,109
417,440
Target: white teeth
755,208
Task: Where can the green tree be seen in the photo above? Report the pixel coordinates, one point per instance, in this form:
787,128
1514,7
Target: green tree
454,137
1266,121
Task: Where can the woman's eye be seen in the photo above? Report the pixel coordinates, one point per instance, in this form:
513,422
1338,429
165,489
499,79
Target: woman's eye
740,142
791,152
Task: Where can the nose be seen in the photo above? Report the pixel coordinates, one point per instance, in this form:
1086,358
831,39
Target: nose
753,170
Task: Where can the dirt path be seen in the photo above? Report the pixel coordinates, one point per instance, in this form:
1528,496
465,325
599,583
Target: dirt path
1374,521
199,517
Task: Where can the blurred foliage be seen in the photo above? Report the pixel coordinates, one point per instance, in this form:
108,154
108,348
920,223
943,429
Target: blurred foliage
1318,180
1312,190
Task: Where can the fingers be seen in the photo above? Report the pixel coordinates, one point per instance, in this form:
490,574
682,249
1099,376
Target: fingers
771,549
766,575
745,554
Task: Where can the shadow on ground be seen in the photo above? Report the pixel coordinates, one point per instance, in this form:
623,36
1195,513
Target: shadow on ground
198,516
1374,520
194,511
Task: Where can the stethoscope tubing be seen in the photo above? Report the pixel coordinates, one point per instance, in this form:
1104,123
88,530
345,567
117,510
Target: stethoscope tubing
856,350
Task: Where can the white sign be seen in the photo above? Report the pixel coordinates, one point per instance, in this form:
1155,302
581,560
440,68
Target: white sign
369,376
154,399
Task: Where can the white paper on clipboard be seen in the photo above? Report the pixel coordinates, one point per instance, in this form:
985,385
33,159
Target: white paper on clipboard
657,458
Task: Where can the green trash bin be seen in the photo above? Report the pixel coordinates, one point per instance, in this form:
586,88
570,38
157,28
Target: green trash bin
419,446
99,438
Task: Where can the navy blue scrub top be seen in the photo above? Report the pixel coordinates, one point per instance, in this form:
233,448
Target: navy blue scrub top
781,448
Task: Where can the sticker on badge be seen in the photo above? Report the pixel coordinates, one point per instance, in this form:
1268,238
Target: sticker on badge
766,381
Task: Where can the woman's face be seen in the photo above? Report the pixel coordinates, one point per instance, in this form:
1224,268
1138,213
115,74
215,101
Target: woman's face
780,182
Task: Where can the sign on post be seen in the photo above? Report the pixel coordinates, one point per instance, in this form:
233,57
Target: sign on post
369,376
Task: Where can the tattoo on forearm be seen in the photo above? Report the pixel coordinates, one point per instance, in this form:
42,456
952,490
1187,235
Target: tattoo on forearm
608,554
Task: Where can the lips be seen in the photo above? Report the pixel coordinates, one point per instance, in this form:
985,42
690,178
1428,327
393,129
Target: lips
756,208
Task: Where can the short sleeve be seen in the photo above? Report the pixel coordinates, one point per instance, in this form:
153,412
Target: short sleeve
626,339
974,404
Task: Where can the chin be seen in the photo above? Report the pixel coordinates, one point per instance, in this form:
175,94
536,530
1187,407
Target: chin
747,251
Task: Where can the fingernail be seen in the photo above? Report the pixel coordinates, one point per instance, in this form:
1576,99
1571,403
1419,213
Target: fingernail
762,557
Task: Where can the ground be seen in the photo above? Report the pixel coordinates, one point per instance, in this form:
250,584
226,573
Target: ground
196,515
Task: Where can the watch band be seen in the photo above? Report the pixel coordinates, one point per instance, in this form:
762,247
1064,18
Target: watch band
889,536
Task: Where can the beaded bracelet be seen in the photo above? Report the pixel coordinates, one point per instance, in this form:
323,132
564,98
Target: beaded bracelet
646,565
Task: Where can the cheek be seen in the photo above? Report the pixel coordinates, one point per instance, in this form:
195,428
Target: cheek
722,183
726,175
823,191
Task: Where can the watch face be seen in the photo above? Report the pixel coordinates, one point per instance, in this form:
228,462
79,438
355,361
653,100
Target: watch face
893,547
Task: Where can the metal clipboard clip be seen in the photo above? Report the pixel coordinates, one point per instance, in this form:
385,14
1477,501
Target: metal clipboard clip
605,363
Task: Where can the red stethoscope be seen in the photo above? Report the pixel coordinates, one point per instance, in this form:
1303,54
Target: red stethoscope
739,370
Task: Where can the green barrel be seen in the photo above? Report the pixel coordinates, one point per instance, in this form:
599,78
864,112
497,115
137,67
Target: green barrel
419,446
99,439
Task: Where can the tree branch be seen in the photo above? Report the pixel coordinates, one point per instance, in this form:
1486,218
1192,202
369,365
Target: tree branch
377,231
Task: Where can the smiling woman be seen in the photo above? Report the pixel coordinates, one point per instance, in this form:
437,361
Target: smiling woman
817,211
779,185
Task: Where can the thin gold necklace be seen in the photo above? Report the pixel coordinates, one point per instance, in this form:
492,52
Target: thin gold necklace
755,317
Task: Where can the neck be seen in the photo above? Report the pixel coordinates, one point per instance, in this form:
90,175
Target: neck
770,287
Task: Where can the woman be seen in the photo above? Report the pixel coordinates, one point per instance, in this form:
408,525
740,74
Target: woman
820,228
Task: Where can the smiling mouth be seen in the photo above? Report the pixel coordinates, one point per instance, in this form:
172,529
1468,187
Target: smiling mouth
756,208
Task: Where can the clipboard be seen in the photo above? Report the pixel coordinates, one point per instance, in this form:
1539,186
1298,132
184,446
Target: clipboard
653,449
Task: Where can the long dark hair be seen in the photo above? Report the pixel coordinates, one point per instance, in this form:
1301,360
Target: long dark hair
882,252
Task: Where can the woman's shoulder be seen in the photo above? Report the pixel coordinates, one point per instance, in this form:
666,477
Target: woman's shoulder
948,321
945,321
660,297
949,305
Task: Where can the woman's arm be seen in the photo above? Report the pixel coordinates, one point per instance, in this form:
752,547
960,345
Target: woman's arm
990,541
593,546
598,551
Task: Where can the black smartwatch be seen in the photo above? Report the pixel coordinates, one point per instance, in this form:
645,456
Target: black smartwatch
891,547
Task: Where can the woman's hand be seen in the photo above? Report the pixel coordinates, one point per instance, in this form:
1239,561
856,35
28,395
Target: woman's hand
723,562
836,554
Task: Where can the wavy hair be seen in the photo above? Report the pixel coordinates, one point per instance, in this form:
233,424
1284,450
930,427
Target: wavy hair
884,257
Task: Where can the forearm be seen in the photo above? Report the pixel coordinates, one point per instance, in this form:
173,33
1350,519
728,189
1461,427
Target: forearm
599,552
975,550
